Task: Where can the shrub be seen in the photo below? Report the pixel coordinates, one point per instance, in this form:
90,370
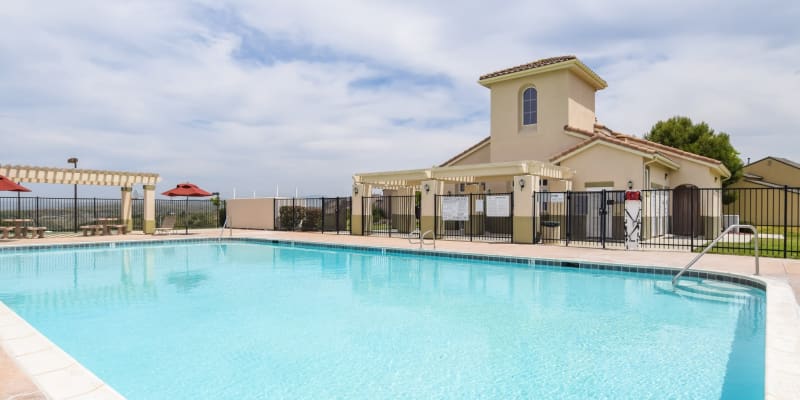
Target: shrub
312,219
289,217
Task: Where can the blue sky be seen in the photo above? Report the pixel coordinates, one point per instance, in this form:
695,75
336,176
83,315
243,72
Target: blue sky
257,94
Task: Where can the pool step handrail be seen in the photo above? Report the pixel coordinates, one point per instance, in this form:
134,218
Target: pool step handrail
415,237
222,230
721,235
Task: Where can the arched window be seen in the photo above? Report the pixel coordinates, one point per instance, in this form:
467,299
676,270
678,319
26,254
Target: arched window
529,106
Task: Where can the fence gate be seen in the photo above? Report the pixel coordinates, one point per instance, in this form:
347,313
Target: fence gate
389,215
591,218
476,216
336,214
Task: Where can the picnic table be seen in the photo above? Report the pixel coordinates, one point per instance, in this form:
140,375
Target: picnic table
19,225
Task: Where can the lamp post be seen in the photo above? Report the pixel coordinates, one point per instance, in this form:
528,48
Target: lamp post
74,162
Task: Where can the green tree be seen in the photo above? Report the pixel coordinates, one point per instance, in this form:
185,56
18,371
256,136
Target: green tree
681,133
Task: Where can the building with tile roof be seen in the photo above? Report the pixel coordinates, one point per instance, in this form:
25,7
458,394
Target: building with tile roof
543,120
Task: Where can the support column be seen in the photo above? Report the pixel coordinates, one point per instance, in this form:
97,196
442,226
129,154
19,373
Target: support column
360,190
427,215
525,211
149,225
126,213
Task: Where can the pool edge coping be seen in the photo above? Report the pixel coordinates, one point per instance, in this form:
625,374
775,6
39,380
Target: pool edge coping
781,380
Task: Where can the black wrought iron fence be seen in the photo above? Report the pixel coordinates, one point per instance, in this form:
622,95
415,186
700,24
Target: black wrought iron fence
389,215
591,218
477,216
336,213
298,214
68,214
683,218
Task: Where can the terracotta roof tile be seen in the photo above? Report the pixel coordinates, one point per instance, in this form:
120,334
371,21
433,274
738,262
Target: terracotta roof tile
531,65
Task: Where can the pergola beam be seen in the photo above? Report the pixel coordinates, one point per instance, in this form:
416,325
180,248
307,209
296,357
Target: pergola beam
70,176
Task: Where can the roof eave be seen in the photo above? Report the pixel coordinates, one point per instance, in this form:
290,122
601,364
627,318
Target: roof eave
575,66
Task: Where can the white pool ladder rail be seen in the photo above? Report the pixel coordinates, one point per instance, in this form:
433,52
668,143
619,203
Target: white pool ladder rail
416,237
725,232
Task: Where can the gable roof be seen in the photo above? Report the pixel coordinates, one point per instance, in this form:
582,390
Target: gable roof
778,159
544,65
475,147
531,65
635,144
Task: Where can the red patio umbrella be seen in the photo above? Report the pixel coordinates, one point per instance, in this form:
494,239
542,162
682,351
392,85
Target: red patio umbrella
188,190
7,185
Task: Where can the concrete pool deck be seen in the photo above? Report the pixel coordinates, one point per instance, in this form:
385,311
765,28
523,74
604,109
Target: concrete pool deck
31,366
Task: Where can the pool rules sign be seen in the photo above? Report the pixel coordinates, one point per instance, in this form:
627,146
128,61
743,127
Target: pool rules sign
633,219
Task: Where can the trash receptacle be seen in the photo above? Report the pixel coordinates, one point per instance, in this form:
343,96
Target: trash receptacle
551,231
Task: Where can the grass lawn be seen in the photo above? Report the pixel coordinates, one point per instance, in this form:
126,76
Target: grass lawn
766,247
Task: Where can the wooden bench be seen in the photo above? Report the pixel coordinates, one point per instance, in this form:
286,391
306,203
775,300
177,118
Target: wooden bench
93,229
36,231
4,230
122,229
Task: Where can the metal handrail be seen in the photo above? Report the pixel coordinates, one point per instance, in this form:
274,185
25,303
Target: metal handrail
725,232
222,230
421,241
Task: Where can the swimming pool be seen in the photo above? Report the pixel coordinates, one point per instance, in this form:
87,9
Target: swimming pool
246,319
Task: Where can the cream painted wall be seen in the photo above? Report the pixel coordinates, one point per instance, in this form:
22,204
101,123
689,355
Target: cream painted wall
601,163
482,155
657,173
251,213
511,140
580,104
775,171
693,174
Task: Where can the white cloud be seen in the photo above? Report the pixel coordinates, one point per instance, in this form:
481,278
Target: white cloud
157,86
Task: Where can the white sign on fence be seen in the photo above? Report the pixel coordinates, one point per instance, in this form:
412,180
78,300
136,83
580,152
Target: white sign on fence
498,206
455,208
556,197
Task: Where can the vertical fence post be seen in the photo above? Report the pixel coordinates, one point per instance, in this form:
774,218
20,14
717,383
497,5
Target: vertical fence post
294,215
390,216
322,216
363,215
37,211
603,212
691,219
469,216
785,217
568,235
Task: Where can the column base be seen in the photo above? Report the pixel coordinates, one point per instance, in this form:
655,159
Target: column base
149,226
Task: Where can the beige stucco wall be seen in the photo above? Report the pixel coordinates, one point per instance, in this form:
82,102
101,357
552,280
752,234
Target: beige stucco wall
251,213
694,174
659,177
601,163
580,104
511,140
775,172
480,156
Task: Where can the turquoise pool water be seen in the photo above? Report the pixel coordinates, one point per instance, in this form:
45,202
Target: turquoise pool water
244,320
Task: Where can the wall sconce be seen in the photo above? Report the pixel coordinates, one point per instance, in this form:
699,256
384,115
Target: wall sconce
630,184
355,189
665,176
521,183
427,188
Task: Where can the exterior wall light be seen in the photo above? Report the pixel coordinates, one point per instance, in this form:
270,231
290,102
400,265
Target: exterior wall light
630,184
355,189
521,183
427,188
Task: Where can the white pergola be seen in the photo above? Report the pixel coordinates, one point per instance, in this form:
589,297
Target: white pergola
74,176
462,173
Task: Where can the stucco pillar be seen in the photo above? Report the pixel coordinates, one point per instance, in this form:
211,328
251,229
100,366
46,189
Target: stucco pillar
360,190
149,225
525,211
427,215
126,211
